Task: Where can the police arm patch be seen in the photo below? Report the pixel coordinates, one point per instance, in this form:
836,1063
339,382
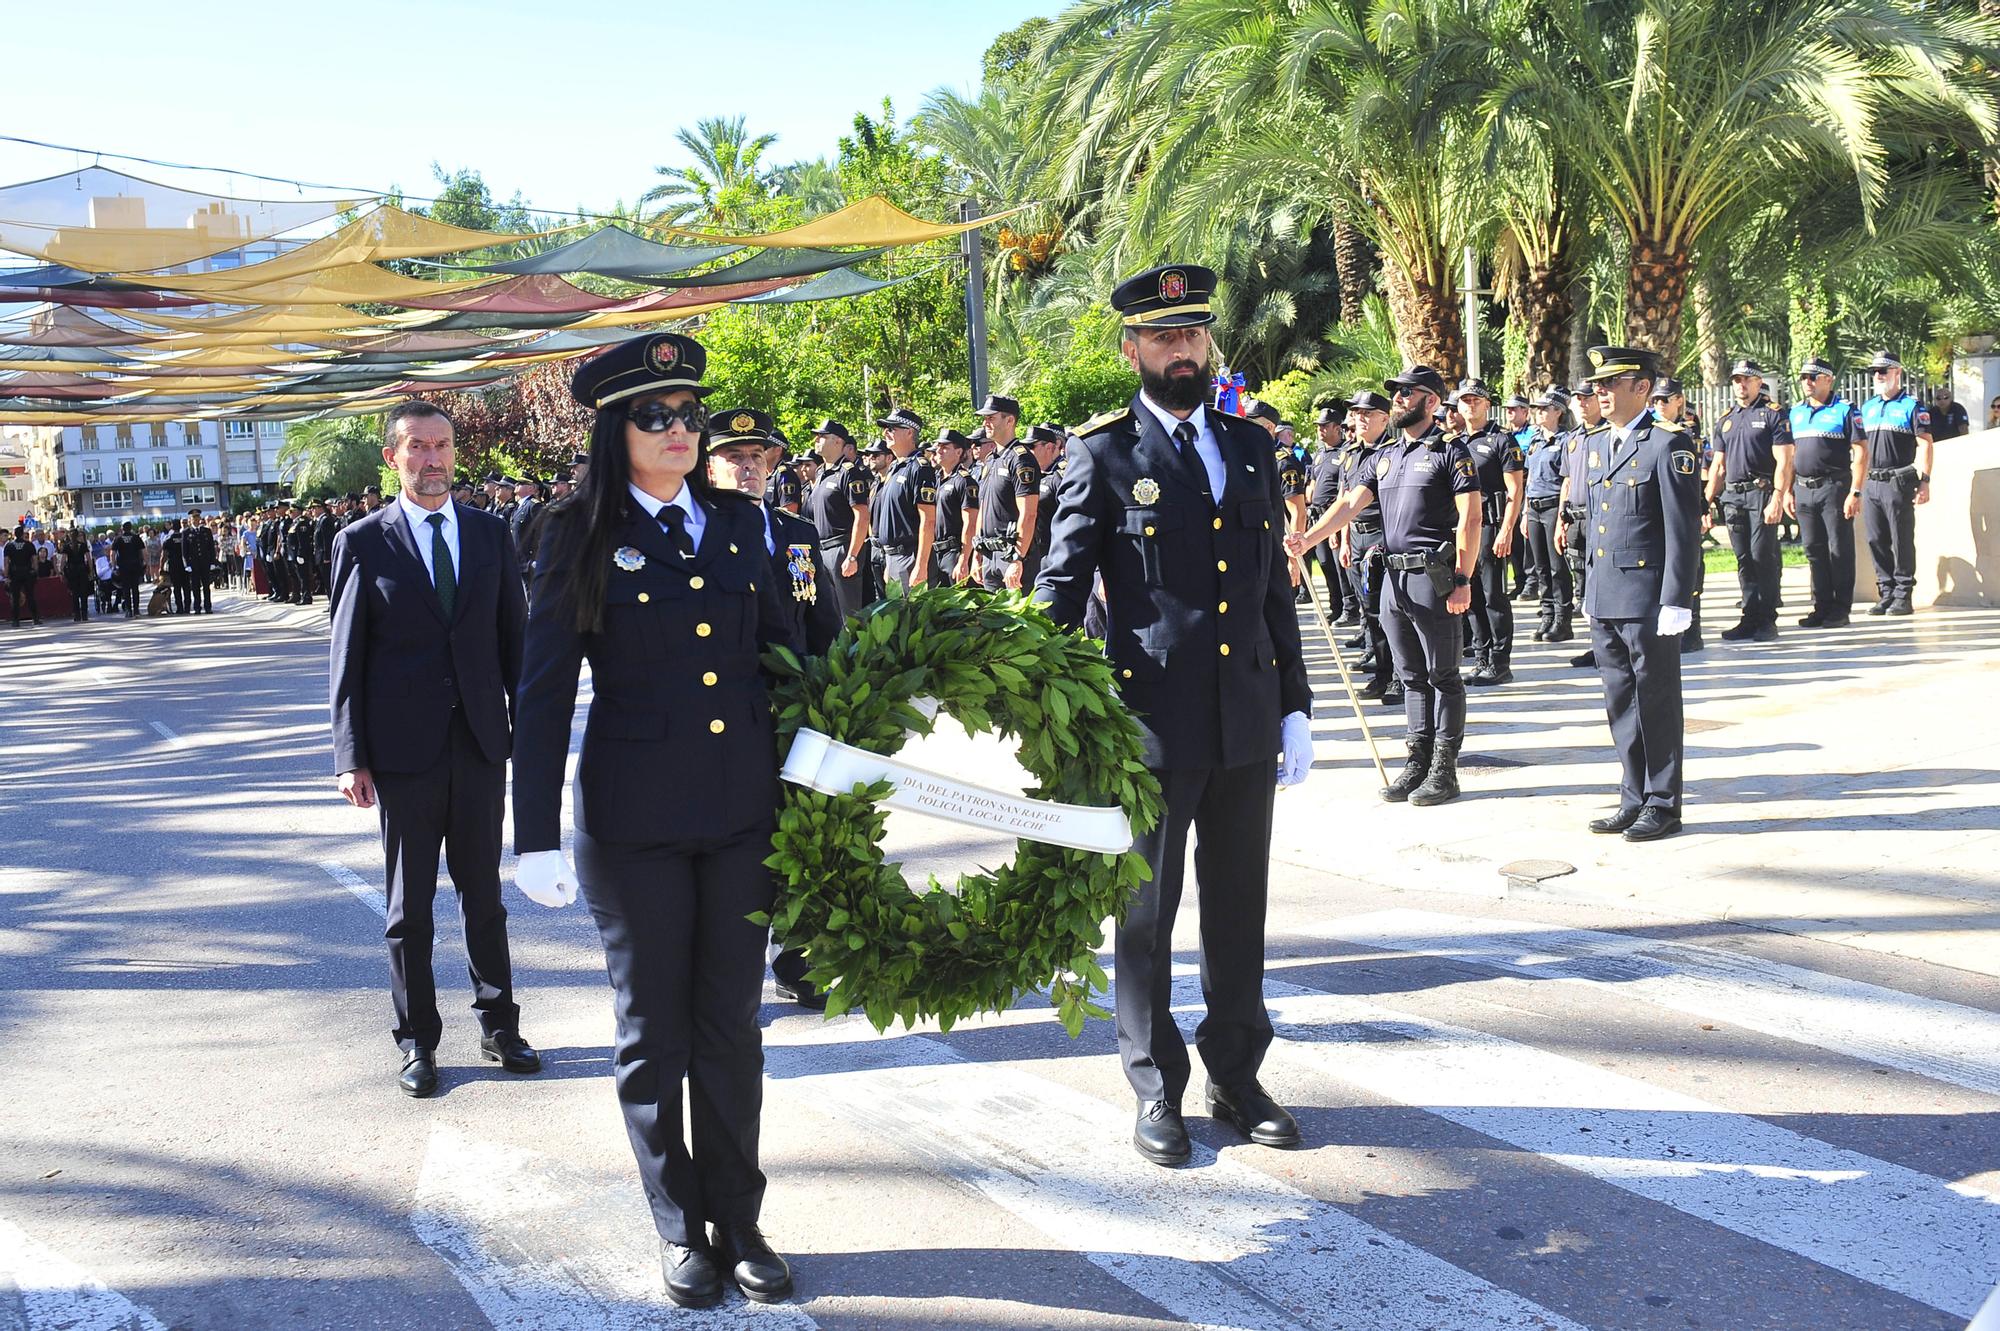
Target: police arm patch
1683,462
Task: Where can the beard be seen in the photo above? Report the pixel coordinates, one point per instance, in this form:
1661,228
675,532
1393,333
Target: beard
1412,418
1181,386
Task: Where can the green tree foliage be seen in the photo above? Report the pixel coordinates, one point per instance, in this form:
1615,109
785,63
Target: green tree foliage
330,457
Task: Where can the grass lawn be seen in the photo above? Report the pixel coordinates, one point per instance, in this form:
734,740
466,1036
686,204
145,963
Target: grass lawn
1721,559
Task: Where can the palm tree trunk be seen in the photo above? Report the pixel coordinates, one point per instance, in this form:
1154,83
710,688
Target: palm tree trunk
1655,292
1546,315
1708,328
1353,265
1429,328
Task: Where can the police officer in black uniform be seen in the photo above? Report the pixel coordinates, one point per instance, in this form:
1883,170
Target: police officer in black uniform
838,507
664,584
1176,507
1428,490
1830,462
17,562
1502,474
1359,543
1749,479
1322,489
1642,538
299,554
904,515
1009,509
325,527
784,489
173,564
1898,428
1548,571
954,487
198,549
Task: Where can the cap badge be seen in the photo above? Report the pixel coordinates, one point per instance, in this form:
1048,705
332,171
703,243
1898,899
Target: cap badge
628,559
1596,359
1146,490
662,355
742,422
1173,285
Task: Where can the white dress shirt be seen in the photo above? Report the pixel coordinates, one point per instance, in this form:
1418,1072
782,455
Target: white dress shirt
419,519
1632,425
697,518
1205,445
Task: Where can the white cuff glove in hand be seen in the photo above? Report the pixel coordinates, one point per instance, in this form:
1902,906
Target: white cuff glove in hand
545,878
1674,621
1295,733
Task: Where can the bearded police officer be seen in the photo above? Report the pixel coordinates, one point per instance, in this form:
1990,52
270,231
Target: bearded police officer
1642,538
1429,492
1497,459
906,502
1177,508
1750,477
1898,429
1830,456
838,506
1360,541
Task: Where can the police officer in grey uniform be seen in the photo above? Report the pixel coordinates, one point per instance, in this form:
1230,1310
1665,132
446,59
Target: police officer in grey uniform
1430,498
838,507
663,583
1749,479
1176,508
1642,541
1548,571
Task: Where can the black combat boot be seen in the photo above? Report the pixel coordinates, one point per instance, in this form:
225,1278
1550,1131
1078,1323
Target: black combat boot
1413,773
1442,783
1562,632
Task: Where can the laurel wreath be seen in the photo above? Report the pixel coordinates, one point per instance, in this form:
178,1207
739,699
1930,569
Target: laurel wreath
880,946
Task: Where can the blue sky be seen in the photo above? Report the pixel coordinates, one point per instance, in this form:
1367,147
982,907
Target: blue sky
573,103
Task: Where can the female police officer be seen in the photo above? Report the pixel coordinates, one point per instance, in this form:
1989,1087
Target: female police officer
664,583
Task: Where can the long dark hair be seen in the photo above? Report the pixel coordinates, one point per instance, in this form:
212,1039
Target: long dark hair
583,529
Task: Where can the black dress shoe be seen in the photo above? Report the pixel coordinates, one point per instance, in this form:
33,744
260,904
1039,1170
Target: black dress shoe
1584,661
1160,1135
1355,643
1374,688
1689,646
1764,633
1617,822
1254,1114
760,1273
420,1073
1834,622
1348,619
1817,619
1652,824
692,1280
510,1051
803,992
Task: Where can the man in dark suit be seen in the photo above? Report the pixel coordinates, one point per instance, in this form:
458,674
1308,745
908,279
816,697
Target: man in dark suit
428,618
173,566
1177,507
1642,546
198,548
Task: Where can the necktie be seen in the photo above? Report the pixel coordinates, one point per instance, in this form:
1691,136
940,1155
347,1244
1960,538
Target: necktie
443,576
1190,458
675,521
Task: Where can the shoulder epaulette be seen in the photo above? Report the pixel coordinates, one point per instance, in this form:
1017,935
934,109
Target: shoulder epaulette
1105,420
1665,424
1593,429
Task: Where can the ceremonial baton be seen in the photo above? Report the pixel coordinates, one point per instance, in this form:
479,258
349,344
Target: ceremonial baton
1347,681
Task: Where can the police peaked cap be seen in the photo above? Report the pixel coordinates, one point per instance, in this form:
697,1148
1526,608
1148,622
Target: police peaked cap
902,418
656,363
1885,360
1610,362
1552,396
741,425
1256,409
1814,366
1472,388
880,447
1174,295
1516,401
947,435
1746,366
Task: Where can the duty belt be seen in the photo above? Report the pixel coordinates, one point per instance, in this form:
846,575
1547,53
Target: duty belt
898,547
1543,505
1739,487
1887,473
1366,528
1814,482
838,538
1415,563
993,545
1572,512
947,547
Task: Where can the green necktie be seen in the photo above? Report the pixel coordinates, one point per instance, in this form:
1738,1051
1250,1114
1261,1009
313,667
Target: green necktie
442,573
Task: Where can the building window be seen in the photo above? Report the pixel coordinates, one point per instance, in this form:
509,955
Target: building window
190,432
89,437
194,466
163,470
156,435
239,429
128,470
124,434
198,496
111,501
272,428
90,476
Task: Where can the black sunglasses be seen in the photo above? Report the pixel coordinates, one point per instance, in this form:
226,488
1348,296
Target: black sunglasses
654,417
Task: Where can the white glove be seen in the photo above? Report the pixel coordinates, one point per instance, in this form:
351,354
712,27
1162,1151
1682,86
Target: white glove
1674,621
1295,733
545,878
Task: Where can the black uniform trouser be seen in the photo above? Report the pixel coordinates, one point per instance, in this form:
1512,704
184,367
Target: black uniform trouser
1492,610
1573,556
200,591
1229,809
19,591
687,978
849,594
1759,563
280,574
898,565
180,580
128,590
993,571
456,805
1641,671
1889,513
1829,541
79,598
1368,572
1424,639
944,565
1550,570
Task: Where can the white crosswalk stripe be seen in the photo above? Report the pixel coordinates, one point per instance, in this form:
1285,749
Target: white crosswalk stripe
55,1294
1943,1041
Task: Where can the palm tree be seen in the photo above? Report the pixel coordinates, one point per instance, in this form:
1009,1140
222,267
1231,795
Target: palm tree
815,184
1685,114
332,454
1349,111
725,173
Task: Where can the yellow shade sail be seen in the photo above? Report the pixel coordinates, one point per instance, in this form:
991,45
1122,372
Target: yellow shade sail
348,284
870,221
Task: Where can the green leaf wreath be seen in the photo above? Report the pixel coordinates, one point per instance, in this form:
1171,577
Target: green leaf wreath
879,946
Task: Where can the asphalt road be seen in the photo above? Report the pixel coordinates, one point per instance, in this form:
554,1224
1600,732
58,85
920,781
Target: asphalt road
1517,1115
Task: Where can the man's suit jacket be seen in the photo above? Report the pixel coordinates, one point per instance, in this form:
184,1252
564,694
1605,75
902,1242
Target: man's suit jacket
397,666
1202,633
1642,522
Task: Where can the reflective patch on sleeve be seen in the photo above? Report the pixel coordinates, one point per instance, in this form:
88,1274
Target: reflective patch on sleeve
1683,462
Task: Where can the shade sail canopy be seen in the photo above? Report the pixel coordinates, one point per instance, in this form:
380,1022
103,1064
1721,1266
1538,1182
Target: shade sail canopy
615,252
870,221
772,263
